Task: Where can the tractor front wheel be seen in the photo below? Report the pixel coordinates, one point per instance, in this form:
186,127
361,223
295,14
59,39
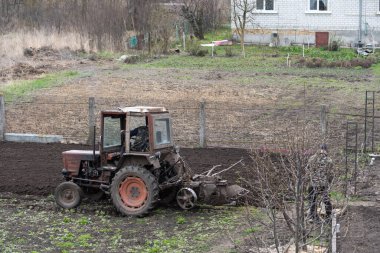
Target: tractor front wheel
68,195
134,191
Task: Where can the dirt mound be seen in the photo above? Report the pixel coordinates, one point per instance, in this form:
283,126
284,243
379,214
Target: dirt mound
35,169
21,70
40,52
24,69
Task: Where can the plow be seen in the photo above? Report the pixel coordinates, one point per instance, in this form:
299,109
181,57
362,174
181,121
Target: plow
137,166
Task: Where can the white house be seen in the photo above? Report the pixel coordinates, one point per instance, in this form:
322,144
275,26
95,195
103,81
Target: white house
286,22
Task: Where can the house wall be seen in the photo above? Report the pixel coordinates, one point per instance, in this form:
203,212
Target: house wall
295,24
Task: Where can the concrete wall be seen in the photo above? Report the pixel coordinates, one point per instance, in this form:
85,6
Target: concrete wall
295,23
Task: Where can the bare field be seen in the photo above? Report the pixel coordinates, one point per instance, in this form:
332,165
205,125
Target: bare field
243,106
246,107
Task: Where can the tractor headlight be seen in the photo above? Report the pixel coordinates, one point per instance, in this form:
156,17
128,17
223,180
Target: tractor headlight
65,173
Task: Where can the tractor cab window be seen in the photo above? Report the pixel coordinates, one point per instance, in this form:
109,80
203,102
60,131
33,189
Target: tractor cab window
162,132
139,134
112,128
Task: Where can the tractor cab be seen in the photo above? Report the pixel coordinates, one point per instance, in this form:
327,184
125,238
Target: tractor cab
134,131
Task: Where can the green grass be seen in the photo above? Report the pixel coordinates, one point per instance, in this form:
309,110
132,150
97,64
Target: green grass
107,55
259,59
22,88
220,34
376,69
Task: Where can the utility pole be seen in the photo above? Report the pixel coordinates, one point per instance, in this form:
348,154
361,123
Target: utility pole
360,19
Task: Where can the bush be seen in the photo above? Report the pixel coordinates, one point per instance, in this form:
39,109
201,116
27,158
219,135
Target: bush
314,63
196,50
229,52
334,46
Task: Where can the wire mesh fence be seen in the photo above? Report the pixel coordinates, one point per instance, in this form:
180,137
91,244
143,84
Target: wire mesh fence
226,125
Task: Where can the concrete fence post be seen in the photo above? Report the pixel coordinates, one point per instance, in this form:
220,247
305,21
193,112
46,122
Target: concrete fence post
2,118
91,120
202,125
324,121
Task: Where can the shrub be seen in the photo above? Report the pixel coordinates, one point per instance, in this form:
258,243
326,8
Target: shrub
334,46
229,52
196,50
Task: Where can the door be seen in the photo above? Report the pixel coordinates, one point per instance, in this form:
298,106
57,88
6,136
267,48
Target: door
321,39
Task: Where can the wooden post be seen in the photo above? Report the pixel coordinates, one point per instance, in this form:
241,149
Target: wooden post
324,121
91,120
2,118
335,228
202,124
184,41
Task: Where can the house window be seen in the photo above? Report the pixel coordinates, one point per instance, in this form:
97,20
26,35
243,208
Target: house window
265,5
318,5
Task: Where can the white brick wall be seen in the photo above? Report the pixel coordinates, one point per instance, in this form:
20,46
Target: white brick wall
342,18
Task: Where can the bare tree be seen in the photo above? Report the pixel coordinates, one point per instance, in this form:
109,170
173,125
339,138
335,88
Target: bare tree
202,15
281,187
242,13
162,29
193,11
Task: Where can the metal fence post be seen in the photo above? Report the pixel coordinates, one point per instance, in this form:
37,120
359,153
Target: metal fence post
202,125
91,119
324,121
2,118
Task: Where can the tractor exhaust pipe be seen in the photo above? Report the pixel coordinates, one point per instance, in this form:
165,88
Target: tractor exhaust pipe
93,148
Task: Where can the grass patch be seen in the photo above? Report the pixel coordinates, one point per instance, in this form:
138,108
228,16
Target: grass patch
261,59
21,88
224,33
376,69
107,55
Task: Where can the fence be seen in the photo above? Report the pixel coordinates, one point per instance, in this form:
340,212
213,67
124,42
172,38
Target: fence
194,125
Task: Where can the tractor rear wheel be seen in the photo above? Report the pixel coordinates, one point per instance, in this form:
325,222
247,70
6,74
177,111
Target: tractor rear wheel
68,195
134,191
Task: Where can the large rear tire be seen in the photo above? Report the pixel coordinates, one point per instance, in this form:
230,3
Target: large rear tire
68,195
134,191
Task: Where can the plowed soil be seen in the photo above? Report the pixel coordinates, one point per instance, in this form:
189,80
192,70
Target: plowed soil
35,169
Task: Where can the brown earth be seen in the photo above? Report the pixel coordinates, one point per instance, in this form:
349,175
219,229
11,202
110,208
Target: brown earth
360,230
360,226
35,169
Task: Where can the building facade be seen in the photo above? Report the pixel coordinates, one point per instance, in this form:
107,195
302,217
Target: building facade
287,22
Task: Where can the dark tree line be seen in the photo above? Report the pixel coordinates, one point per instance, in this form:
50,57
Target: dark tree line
105,22
98,19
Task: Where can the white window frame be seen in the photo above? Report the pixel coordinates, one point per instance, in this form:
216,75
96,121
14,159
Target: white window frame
317,11
266,11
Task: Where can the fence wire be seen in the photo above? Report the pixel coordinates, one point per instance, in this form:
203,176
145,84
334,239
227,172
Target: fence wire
226,125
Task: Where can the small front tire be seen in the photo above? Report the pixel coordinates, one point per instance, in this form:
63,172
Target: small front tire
68,195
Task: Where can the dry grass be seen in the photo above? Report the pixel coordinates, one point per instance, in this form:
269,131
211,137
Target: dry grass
13,44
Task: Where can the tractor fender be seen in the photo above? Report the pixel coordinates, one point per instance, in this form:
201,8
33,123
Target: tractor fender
142,160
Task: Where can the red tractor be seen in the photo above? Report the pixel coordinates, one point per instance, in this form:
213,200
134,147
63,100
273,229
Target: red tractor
138,165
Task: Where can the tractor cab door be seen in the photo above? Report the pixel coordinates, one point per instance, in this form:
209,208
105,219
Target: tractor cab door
113,135
137,127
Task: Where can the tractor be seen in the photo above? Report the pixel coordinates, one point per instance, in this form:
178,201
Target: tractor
137,166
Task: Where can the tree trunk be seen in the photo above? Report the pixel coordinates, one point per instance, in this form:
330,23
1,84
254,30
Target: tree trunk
242,37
